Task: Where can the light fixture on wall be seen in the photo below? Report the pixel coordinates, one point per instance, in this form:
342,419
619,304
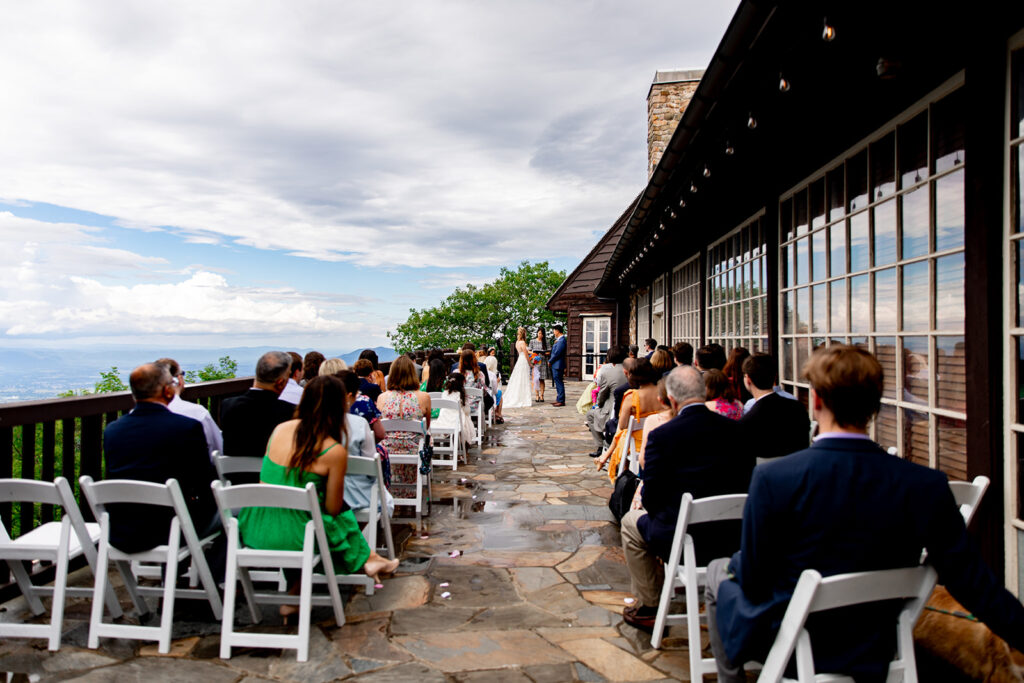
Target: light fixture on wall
783,84
751,121
828,32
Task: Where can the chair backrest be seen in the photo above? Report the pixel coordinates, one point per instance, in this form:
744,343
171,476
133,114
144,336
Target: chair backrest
358,464
102,493
230,464
439,403
402,426
56,493
710,509
474,392
434,394
815,594
266,496
968,495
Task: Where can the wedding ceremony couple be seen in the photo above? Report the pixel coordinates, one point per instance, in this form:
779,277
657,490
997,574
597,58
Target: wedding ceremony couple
527,376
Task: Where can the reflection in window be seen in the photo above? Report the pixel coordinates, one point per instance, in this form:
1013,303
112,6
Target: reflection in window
885,352
836,205
857,181
949,212
913,150
838,308
915,290
883,174
818,254
951,374
817,199
916,370
948,132
800,212
885,300
819,310
801,262
802,310
949,292
885,427
885,233
915,223
837,256
915,436
952,447
859,242
860,304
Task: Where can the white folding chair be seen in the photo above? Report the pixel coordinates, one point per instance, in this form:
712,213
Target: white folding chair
227,465
103,493
968,495
315,548
434,394
415,427
681,570
452,436
377,511
56,542
815,594
478,417
630,455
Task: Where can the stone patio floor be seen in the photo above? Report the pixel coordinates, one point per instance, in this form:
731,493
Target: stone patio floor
516,575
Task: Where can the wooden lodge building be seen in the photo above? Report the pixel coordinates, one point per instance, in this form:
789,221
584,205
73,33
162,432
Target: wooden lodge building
846,172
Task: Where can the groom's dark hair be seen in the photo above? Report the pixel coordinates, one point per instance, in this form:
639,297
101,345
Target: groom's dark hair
559,328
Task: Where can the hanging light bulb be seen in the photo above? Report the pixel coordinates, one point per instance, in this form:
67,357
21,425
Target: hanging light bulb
655,238
751,121
672,215
783,84
707,171
828,33
682,203
729,149
693,188
661,226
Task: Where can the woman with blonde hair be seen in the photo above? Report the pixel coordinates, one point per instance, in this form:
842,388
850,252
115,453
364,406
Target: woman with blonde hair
332,366
517,395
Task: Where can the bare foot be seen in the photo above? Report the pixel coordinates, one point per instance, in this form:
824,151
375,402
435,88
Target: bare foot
377,565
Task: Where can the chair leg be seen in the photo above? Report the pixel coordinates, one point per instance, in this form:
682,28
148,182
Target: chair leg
170,588
230,580
305,604
99,590
60,585
25,584
128,578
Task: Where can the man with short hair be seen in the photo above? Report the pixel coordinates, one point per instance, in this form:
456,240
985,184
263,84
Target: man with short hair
557,364
292,391
248,420
709,357
779,426
650,346
683,353
214,440
698,452
844,505
609,377
153,444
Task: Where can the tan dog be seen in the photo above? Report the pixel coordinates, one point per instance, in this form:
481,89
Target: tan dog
967,645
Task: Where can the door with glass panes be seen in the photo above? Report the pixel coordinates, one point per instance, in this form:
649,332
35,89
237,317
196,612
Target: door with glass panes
596,340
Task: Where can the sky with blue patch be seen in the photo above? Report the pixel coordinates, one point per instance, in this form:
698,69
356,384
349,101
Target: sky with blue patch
300,173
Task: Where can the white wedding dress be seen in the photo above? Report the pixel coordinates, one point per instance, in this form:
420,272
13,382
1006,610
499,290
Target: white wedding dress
518,393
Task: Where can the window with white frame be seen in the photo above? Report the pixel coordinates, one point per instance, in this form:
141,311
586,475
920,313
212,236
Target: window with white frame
686,303
643,316
736,295
872,254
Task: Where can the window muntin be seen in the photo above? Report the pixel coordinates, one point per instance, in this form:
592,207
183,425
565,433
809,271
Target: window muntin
736,297
686,303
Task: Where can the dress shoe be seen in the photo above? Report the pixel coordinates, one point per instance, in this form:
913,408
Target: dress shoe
597,453
557,404
641,617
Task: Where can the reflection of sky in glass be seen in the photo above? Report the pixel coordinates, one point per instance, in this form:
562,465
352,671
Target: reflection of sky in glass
801,261
802,354
802,310
915,297
915,223
837,238
787,313
885,300
949,292
787,359
859,242
885,233
1020,190
786,263
860,304
835,194
819,309
1020,280
818,255
915,369
949,211
951,378
838,312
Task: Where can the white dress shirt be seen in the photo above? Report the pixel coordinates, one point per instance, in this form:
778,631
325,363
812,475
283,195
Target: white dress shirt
292,392
214,441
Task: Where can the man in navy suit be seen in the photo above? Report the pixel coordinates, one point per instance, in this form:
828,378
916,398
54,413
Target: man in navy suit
153,444
697,452
779,426
557,365
249,419
843,505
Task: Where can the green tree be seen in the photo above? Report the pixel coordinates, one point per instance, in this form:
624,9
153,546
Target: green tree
225,369
480,314
110,381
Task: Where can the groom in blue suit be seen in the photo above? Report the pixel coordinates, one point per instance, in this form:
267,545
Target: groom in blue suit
557,365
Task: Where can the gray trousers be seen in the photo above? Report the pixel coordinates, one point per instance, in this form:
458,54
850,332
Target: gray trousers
646,573
728,672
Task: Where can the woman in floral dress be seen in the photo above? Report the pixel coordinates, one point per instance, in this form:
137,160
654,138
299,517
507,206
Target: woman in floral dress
403,401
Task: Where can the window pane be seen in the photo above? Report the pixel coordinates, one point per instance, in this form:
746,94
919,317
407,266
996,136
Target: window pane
836,205
838,316
786,264
787,359
885,352
1020,280
859,242
949,292
817,200
801,262
915,436
948,131
915,297
800,212
883,162
915,223
949,212
952,447
913,150
786,218
857,181
951,374
802,356
885,300
885,427
819,310
818,254
787,312
915,369
1020,380
802,310
885,233
860,304
837,246
1017,112
755,277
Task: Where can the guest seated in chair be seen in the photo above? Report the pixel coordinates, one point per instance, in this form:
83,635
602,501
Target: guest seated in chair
843,505
779,425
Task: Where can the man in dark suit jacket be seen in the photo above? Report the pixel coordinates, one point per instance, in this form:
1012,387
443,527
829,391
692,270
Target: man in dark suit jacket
779,426
843,505
697,452
248,420
153,444
557,364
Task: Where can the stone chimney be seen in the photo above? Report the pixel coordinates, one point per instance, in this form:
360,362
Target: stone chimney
670,92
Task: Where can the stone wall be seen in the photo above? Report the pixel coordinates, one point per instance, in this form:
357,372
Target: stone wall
669,95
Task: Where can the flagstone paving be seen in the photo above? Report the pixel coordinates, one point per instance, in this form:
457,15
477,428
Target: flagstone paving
516,575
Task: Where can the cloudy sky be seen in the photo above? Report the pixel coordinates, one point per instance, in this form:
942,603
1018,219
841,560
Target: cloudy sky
303,172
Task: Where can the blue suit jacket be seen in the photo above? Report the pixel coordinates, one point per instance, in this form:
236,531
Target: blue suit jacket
557,360
845,505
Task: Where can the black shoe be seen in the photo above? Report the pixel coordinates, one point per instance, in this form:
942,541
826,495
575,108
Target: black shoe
597,453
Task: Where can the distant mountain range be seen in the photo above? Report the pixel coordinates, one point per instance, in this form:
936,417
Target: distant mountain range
33,374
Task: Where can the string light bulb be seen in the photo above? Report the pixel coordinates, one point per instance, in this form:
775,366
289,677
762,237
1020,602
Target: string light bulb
693,188
707,171
783,84
672,215
751,121
682,203
729,149
828,33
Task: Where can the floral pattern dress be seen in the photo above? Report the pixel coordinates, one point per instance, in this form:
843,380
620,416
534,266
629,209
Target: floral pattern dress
366,409
401,405
475,382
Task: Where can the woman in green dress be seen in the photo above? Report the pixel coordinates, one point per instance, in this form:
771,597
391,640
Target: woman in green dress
312,448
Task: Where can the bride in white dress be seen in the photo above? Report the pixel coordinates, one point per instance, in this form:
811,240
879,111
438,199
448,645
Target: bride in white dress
517,394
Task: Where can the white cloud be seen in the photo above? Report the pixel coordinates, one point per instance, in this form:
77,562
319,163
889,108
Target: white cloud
432,133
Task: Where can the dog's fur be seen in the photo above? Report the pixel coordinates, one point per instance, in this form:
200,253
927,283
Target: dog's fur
968,646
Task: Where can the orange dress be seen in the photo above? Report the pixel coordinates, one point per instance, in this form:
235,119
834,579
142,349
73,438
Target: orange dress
619,442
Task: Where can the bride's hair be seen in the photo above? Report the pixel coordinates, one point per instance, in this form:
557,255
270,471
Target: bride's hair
521,334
